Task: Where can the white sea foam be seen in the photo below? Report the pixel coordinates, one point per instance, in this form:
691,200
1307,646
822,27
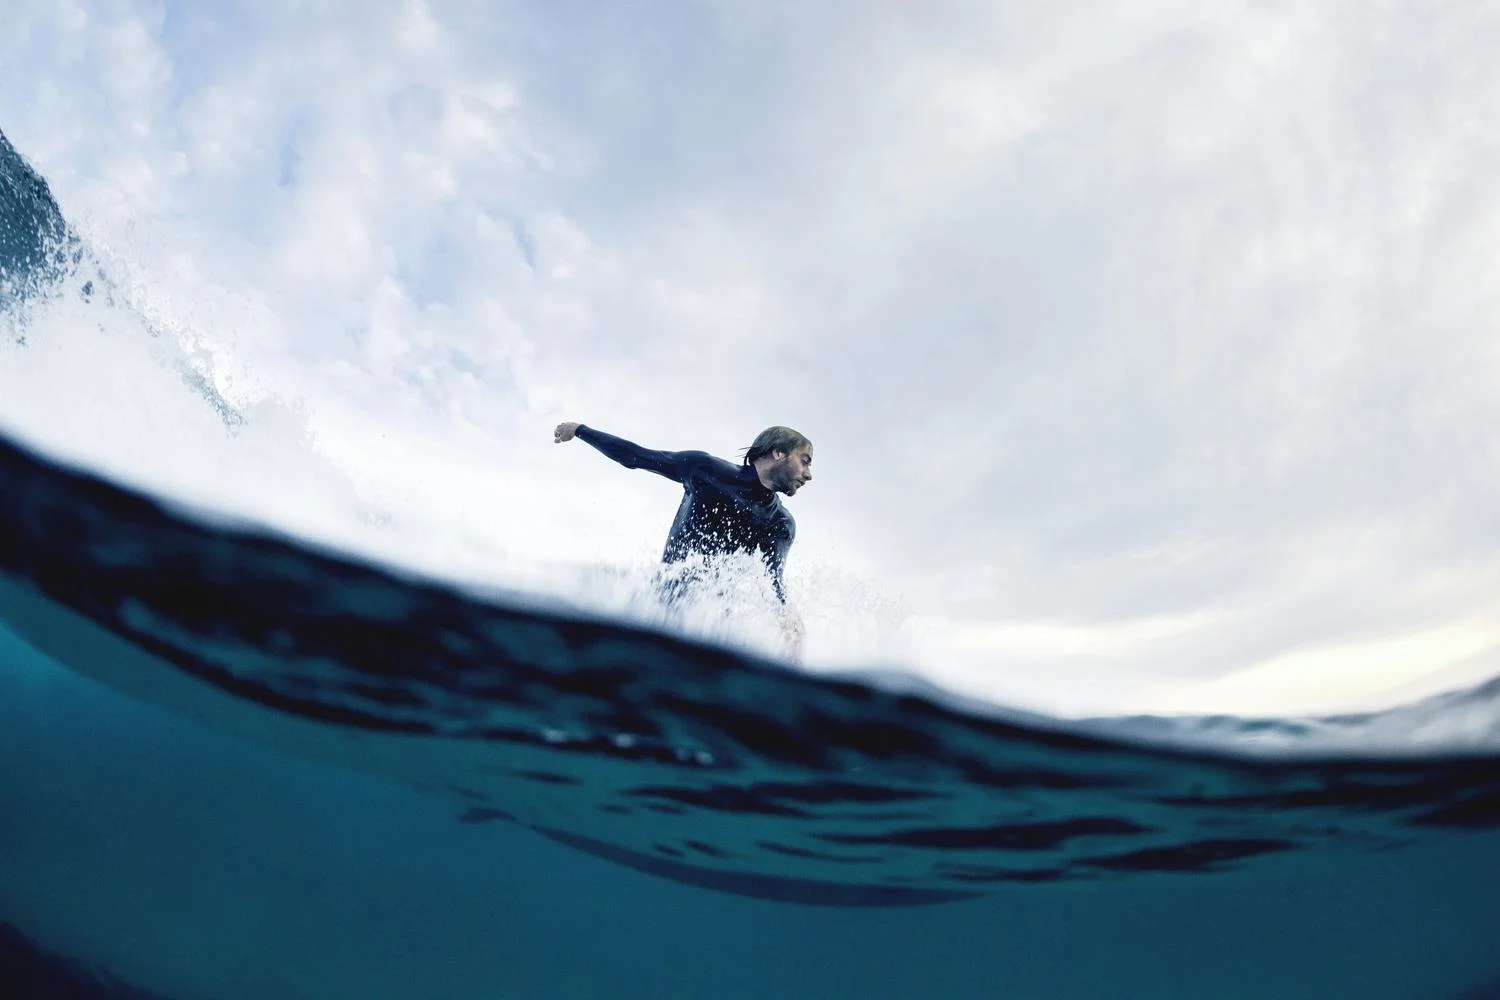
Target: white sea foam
105,381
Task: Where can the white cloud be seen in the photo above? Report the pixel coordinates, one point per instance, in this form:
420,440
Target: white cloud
1348,675
1099,319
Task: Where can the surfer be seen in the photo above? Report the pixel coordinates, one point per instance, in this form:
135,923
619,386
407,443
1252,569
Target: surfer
725,508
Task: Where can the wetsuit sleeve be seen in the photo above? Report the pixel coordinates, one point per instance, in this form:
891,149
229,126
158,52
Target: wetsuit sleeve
776,561
672,464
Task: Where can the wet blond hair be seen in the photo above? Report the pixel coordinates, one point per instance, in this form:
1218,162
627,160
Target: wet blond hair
771,439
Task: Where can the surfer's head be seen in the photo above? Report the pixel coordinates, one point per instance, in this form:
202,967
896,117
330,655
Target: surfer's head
782,458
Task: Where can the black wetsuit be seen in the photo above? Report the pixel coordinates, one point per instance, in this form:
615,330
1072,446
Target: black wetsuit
725,508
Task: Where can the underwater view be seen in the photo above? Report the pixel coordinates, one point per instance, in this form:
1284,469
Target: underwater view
285,737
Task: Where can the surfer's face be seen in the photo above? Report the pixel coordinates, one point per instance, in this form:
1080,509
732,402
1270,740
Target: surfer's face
792,471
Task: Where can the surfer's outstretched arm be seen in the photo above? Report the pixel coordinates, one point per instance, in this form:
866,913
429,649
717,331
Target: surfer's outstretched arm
672,464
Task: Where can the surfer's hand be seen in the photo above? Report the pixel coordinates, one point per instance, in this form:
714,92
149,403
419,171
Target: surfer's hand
791,631
564,432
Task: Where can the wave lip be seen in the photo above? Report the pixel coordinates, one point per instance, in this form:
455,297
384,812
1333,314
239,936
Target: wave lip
37,249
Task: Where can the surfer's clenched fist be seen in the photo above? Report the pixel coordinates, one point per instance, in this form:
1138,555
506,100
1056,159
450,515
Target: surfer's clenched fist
564,431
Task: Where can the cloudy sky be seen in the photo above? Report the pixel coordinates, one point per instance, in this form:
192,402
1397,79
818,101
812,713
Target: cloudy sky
1150,353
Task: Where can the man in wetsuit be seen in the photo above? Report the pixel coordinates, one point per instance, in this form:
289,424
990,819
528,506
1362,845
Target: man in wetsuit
725,508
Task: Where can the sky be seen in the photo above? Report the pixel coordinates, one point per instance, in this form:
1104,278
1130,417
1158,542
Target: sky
1150,354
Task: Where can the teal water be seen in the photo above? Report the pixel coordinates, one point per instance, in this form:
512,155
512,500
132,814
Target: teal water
197,864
